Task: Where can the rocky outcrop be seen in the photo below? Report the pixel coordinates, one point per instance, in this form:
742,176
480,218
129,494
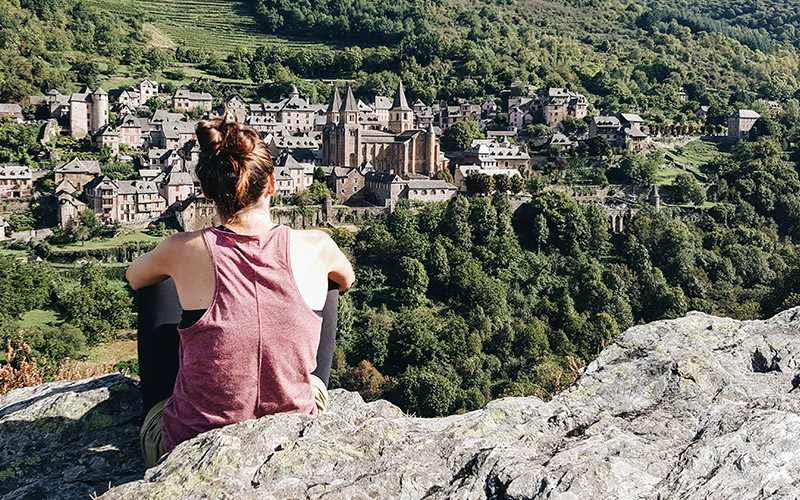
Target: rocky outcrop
699,408
69,440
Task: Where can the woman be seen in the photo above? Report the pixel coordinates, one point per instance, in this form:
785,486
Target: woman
249,290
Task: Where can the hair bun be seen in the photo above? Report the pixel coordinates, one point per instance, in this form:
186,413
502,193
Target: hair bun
225,135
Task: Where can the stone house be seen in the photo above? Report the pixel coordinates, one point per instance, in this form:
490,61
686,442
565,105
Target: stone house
185,100
173,135
280,144
107,137
347,184
177,185
236,105
301,174
293,112
740,123
490,153
621,130
12,111
284,184
383,188
16,180
77,172
134,132
190,154
551,107
69,209
161,159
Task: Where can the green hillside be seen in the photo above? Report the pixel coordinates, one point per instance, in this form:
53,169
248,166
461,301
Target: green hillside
218,26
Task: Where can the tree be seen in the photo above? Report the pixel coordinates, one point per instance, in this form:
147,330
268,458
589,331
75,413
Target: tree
502,183
637,169
366,380
459,136
444,175
319,175
412,281
688,189
95,307
598,147
480,183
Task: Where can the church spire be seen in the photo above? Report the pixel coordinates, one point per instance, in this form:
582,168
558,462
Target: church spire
401,117
400,102
334,106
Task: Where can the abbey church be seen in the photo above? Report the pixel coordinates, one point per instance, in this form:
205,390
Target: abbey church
401,150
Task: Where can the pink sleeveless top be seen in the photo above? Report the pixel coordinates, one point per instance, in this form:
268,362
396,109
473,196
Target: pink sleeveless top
252,353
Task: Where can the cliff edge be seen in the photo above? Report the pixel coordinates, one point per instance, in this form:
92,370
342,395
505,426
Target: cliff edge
695,408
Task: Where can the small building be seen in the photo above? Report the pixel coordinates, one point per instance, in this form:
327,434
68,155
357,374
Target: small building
77,172
176,186
237,105
621,130
69,209
385,188
3,225
490,153
12,111
185,100
16,180
740,123
347,183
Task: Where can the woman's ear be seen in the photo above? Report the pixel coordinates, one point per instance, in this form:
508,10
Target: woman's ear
204,194
271,184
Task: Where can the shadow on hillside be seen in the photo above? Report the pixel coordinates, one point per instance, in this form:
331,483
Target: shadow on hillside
55,457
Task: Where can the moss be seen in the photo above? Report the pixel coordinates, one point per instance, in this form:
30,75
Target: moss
6,474
98,420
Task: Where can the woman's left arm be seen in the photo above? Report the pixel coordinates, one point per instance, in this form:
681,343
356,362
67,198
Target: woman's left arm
155,266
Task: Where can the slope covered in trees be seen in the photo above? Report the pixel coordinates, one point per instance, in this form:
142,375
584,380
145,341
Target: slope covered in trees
459,303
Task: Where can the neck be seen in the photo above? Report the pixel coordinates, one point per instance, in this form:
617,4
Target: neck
253,220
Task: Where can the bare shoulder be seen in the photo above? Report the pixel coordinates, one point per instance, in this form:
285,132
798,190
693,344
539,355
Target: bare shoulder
312,237
182,241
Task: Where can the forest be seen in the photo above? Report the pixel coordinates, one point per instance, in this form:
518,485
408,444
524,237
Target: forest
462,302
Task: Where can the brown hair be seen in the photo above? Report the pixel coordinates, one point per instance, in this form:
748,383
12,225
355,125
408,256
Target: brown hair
234,165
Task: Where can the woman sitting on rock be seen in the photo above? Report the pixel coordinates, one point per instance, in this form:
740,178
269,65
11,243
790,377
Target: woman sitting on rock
248,291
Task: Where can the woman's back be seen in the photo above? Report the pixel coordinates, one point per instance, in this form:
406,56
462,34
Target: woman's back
253,351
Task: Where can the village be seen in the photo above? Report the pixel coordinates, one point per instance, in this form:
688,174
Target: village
369,154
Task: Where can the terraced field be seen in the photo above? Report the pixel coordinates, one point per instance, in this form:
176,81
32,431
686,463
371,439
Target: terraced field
214,25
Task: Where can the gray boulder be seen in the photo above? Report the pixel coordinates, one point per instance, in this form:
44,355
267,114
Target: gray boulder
695,408
67,440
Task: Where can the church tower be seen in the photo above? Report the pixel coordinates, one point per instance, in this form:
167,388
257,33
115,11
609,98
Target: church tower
401,116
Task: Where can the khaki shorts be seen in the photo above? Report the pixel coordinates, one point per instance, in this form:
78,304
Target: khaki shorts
150,435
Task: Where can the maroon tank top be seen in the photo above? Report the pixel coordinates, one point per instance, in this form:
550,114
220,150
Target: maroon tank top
252,353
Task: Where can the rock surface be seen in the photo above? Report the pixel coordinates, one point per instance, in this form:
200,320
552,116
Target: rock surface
69,440
695,408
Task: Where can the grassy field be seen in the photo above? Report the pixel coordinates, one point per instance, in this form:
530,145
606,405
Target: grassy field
217,26
695,154
665,176
111,242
